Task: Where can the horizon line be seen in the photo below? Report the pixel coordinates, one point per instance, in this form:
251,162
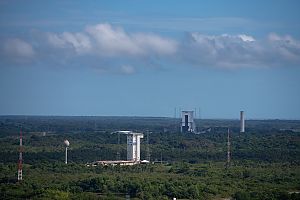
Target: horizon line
141,116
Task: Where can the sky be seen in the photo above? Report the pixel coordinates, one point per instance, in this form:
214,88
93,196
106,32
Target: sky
146,58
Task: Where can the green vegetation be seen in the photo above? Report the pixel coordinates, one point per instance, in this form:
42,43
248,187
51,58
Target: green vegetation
265,160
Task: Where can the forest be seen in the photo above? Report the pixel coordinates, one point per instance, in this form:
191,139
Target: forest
265,160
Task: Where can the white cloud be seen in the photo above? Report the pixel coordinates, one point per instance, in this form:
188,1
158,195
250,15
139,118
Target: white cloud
109,47
18,50
127,69
246,38
79,42
115,41
285,48
111,41
104,40
155,44
233,51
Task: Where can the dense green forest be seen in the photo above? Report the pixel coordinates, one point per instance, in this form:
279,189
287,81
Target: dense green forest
265,159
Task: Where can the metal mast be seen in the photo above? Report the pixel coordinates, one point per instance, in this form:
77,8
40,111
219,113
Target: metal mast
20,166
118,147
148,148
228,147
67,143
66,156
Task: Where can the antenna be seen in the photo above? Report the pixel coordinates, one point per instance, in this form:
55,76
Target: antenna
228,147
118,152
179,114
175,113
20,166
67,143
148,148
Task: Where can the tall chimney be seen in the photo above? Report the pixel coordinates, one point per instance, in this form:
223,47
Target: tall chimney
242,120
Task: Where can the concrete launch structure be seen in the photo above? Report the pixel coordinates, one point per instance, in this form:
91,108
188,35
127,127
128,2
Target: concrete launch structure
134,146
133,150
187,122
242,120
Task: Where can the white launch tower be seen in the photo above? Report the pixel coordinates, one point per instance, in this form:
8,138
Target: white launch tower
133,145
187,122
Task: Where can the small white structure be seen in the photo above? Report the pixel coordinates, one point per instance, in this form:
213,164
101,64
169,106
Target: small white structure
67,143
242,121
187,122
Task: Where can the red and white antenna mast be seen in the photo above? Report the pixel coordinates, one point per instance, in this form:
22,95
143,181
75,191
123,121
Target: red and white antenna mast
20,167
228,147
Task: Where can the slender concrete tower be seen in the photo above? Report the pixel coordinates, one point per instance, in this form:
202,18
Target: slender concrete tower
242,120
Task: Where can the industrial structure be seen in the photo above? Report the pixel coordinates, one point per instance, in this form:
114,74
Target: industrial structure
20,162
133,150
242,121
228,148
67,143
133,146
148,148
187,122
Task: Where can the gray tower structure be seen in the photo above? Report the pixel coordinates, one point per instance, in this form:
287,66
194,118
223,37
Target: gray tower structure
187,122
242,121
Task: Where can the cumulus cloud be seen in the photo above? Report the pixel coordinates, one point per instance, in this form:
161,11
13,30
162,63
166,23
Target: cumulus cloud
79,42
232,51
246,38
285,48
115,41
17,50
105,40
111,48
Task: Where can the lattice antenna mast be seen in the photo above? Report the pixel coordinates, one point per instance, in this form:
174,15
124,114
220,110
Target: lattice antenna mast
20,163
148,148
118,148
228,147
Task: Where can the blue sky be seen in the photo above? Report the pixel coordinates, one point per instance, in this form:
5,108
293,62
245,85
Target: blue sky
144,58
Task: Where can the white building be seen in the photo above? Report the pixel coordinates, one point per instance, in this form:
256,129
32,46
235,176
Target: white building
133,151
187,122
134,146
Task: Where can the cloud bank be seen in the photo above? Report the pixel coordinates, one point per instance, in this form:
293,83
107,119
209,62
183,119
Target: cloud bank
112,47
107,41
235,51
